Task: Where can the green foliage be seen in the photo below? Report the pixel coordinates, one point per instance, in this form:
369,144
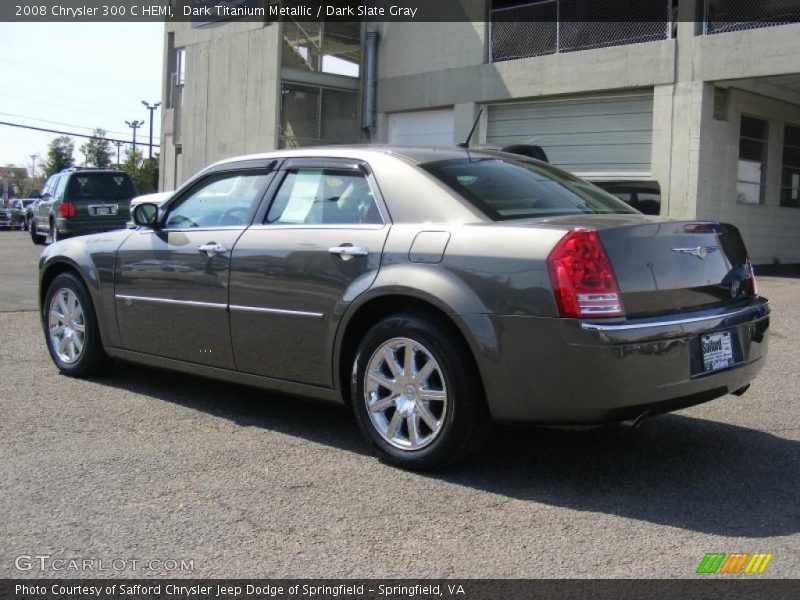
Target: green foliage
143,171
59,155
98,150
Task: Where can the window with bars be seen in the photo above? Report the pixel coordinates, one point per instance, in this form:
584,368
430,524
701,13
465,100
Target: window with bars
317,116
790,175
752,170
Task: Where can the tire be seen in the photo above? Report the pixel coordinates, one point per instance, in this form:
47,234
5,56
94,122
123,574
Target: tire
81,354
425,423
35,237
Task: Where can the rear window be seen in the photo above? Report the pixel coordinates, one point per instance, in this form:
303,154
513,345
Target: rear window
100,186
518,189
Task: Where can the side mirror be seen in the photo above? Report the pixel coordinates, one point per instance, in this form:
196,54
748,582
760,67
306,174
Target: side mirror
46,196
146,214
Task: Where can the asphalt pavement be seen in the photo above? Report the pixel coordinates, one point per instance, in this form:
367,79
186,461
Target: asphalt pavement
194,478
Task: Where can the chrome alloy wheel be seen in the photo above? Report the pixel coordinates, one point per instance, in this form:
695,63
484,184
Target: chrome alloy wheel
66,325
405,394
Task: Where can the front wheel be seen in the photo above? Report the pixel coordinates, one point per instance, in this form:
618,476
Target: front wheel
416,393
70,327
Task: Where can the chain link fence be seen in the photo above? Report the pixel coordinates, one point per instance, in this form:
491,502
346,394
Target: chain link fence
552,26
736,15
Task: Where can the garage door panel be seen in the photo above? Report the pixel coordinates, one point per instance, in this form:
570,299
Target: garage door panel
605,133
423,128
576,124
581,139
544,111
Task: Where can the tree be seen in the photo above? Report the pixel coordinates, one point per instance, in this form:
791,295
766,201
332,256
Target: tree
98,149
143,172
59,155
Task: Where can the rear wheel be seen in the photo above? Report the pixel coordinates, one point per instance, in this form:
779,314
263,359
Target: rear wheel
70,328
35,237
417,395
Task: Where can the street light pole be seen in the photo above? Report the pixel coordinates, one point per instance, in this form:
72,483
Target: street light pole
33,158
118,144
152,108
134,125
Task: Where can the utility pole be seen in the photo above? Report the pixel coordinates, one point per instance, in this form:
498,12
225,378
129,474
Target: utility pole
134,125
119,145
152,108
33,158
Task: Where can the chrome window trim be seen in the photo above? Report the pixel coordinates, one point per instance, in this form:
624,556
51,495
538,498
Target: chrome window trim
171,301
276,311
651,324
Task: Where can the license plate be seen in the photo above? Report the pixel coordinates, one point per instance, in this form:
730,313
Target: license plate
717,350
103,210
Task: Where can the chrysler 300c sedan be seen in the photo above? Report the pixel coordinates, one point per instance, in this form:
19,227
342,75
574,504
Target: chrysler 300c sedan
434,291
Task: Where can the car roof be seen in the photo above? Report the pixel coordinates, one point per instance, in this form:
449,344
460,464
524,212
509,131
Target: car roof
415,154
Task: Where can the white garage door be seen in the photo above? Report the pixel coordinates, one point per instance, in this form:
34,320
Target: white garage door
604,135
422,128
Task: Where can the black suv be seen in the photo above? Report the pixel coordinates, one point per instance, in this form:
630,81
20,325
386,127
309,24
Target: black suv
78,201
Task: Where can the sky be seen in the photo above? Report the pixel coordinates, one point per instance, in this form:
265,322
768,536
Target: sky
75,77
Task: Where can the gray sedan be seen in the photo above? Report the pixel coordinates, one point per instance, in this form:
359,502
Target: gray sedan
434,291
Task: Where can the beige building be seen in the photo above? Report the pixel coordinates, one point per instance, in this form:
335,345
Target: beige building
703,105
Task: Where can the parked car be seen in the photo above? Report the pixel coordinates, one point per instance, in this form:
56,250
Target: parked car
644,196
5,217
157,198
434,291
79,201
19,207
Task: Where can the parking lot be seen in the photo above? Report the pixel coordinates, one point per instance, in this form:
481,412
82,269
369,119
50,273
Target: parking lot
146,465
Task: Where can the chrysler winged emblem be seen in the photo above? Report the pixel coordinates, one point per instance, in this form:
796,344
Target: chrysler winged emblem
700,252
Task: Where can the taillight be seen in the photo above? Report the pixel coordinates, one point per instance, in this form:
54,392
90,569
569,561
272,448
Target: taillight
583,281
67,209
749,285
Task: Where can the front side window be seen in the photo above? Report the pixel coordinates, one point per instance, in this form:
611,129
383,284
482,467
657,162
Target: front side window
790,176
519,189
324,197
223,200
752,171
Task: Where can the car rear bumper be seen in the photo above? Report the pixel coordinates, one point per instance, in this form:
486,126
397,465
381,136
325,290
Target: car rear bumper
568,371
73,227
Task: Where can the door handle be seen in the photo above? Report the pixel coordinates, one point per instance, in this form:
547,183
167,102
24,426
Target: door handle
211,249
347,252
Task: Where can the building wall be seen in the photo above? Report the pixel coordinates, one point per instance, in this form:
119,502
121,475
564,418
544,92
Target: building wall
770,230
231,94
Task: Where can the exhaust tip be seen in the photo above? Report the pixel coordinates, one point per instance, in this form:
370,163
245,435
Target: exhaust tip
741,390
636,421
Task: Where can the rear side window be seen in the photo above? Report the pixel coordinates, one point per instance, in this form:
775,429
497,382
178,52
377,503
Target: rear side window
100,186
518,189
324,197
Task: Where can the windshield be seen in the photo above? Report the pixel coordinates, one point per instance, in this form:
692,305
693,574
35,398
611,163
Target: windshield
518,189
100,186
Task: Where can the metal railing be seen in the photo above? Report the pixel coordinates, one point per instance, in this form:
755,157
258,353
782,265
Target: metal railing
722,16
553,26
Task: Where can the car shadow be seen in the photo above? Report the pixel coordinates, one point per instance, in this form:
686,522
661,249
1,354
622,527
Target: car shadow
674,470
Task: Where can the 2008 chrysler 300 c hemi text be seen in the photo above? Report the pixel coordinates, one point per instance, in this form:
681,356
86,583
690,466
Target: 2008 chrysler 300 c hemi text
432,290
